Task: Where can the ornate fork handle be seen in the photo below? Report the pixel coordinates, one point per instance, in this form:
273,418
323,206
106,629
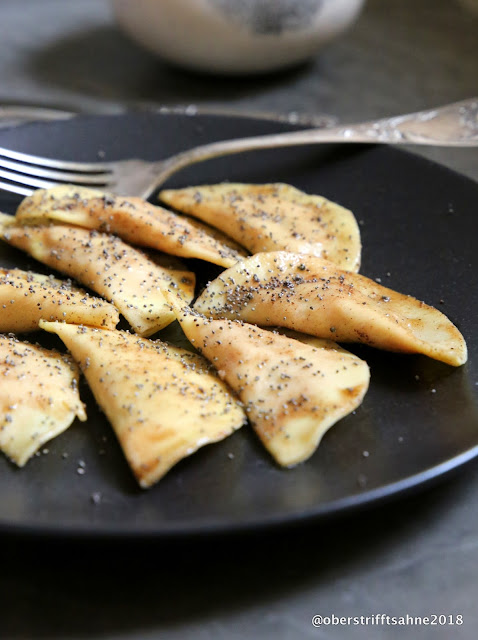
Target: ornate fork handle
452,125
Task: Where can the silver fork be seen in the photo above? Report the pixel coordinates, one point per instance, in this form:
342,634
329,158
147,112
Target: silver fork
451,125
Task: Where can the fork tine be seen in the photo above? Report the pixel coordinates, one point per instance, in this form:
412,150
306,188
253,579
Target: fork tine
15,188
27,180
88,167
62,176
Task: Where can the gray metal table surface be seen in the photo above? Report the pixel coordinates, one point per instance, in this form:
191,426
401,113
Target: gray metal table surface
416,556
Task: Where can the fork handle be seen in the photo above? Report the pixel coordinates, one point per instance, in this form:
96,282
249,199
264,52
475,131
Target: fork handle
454,125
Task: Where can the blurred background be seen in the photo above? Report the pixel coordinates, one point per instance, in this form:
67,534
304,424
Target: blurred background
73,55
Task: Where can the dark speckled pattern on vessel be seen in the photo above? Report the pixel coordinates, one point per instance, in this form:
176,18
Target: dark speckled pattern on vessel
264,16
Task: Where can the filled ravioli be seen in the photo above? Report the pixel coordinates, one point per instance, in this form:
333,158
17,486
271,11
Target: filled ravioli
133,219
293,390
312,295
163,402
125,276
38,397
27,297
271,217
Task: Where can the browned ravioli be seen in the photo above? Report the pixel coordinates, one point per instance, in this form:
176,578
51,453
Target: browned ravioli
133,281
38,397
293,388
313,296
133,219
27,297
274,217
163,402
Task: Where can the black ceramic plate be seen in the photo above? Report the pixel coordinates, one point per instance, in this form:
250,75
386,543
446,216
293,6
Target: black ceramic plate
418,420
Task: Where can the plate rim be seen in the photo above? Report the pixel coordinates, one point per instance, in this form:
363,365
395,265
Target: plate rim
342,507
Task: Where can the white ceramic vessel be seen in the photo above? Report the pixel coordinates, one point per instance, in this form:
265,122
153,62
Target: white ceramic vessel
235,36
